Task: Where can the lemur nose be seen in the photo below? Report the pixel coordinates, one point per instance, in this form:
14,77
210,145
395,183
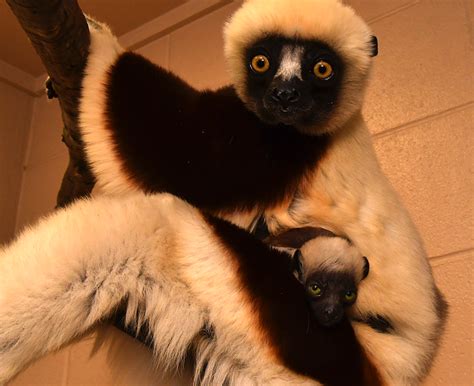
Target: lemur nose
330,311
285,95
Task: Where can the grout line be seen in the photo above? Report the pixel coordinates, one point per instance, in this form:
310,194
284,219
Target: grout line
48,158
392,12
468,22
25,162
16,77
16,86
425,119
39,85
448,257
29,145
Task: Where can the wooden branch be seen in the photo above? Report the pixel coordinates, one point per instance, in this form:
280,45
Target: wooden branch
59,33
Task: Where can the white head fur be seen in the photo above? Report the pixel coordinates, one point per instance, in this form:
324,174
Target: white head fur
335,254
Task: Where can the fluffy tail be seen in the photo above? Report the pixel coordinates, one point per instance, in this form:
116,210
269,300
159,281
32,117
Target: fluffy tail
74,268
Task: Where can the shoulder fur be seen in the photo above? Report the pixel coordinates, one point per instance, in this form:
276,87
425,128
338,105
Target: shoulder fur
100,148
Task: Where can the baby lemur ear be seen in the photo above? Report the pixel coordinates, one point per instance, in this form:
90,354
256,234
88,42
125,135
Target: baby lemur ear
296,265
366,270
296,237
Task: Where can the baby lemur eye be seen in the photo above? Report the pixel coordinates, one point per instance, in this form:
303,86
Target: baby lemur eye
260,64
349,296
315,290
323,70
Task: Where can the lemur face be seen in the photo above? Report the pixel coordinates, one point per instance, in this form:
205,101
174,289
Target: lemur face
293,82
305,69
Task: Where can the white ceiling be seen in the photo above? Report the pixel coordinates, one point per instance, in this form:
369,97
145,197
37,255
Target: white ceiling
122,15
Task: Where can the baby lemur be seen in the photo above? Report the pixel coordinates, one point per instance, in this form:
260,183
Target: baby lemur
330,268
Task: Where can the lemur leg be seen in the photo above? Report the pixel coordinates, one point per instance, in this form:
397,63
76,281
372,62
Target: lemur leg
74,268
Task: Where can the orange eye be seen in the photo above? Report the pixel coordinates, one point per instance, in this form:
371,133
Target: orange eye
260,64
323,70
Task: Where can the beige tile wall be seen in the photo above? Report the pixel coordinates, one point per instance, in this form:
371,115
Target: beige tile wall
419,107
46,162
15,118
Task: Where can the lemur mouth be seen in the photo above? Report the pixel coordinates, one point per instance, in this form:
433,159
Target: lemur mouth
328,317
291,115
329,322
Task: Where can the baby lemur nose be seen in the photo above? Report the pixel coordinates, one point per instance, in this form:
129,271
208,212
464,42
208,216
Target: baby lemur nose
285,95
330,311
332,314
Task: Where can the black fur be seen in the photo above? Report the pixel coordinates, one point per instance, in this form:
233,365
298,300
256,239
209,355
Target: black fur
331,356
366,270
297,237
204,147
50,91
374,44
442,306
377,322
260,230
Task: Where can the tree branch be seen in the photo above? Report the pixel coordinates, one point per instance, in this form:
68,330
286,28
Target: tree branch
59,33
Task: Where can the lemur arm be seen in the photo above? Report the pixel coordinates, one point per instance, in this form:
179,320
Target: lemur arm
145,129
350,195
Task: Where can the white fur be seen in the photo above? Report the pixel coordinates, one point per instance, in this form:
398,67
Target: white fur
333,254
100,149
290,63
355,199
75,267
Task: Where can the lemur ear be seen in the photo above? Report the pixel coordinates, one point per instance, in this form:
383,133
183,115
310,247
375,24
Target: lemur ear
296,237
374,44
366,269
296,265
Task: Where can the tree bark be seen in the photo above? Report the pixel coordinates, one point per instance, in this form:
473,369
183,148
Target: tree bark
59,33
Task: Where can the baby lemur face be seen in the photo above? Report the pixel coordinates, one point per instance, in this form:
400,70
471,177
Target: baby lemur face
329,267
